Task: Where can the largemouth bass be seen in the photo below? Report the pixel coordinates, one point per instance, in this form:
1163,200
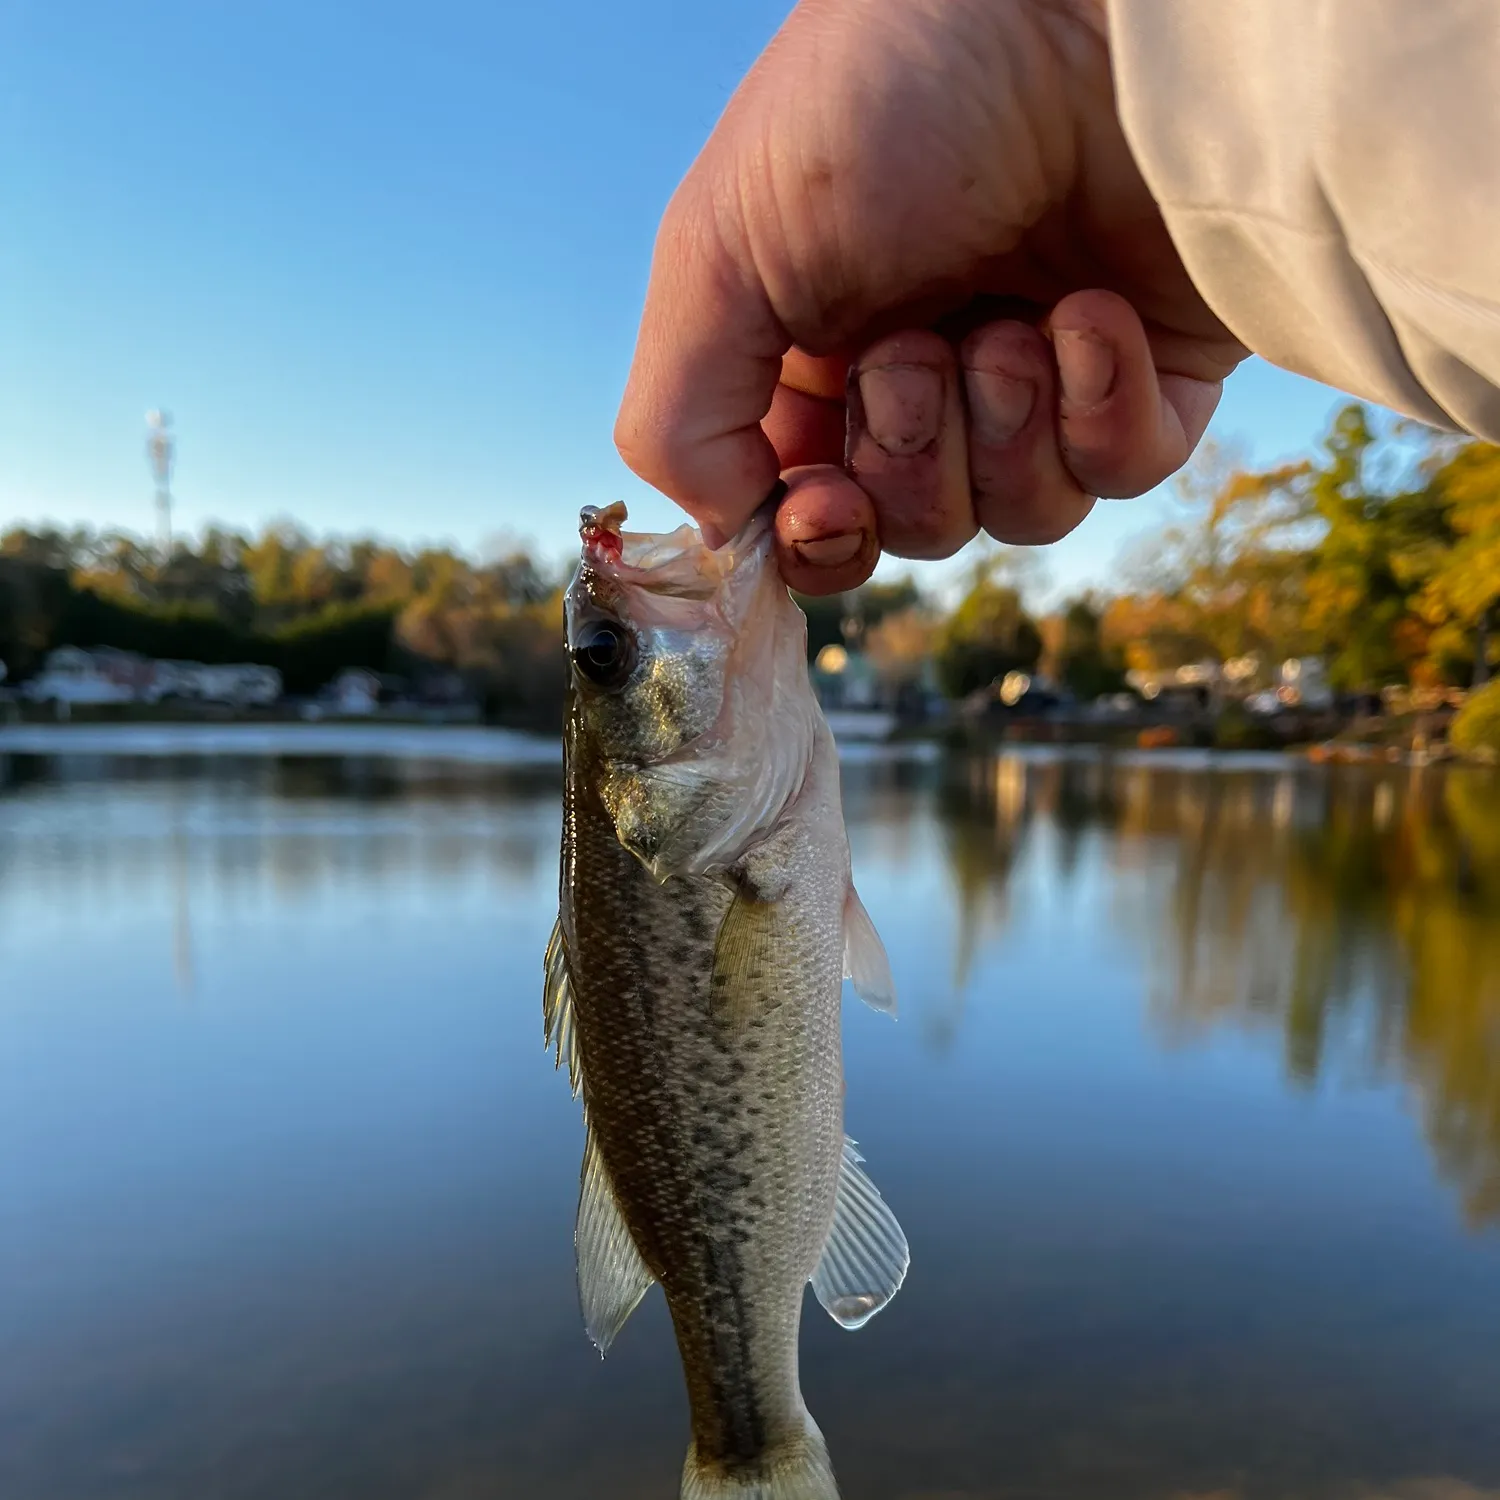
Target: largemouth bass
693,987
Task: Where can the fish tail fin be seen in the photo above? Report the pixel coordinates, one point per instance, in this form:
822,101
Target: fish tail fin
799,1470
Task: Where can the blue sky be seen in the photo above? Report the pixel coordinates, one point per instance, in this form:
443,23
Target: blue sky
382,262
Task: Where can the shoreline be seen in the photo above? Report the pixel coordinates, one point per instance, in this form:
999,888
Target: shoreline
461,743
492,746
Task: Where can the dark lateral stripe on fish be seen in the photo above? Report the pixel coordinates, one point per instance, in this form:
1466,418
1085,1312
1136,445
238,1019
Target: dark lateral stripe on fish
734,1380
705,897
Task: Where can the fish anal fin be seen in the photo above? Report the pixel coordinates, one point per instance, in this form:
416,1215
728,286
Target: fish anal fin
560,1036
612,1277
865,1259
865,960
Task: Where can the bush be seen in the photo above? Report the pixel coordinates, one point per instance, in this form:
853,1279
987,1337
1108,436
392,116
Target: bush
313,651
1476,727
1235,729
33,597
1092,674
184,632
308,653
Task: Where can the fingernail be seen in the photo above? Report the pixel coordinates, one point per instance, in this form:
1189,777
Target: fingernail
999,405
830,551
1085,365
903,407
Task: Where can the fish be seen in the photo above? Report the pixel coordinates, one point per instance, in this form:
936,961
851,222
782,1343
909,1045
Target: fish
693,987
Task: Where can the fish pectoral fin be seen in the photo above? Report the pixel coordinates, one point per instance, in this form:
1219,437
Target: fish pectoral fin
865,1259
746,956
865,960
559,1035
612,1277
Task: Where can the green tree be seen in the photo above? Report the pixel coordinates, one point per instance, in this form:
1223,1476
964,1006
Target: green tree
1082,660
1459,569
1365,573
33,598
988,635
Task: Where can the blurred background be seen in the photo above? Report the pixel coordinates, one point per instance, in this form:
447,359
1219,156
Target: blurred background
1184,836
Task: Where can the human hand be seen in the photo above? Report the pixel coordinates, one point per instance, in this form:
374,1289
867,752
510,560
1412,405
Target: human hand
916,271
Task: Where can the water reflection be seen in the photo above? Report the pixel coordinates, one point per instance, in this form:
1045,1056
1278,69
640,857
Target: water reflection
1354,912
137,835
1185,1048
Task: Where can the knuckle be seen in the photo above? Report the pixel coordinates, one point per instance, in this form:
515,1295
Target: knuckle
1114,475
1035,520
640,454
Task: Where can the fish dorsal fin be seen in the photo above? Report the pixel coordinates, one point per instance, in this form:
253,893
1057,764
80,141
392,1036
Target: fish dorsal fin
865,960
612,1277
560,1037
865,1259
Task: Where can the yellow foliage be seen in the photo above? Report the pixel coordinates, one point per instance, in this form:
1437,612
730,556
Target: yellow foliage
1476,728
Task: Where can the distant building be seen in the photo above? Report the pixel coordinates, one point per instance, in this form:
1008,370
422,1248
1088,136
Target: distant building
239,684
440,689
845,679
1304,682
1299,682
1197,679
244,683
72,675
101,675
354,692
1016,694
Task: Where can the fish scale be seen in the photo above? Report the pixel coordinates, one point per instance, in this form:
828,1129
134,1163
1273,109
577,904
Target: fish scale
706,922
669,1088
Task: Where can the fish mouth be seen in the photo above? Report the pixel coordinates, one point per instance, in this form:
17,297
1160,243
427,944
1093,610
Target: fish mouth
677,563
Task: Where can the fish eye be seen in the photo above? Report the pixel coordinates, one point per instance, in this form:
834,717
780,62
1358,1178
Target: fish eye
604,653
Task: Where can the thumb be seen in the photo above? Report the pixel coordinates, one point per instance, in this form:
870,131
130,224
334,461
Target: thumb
706,365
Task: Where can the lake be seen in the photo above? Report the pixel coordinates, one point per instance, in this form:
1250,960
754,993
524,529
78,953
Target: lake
1191,1115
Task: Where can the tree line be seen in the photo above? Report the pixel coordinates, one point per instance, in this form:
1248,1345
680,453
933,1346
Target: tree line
308,607
1380,553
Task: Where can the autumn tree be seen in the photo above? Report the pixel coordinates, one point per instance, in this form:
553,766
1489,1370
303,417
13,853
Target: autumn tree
1226,576
1459,570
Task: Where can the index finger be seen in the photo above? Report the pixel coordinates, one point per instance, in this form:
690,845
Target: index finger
706,365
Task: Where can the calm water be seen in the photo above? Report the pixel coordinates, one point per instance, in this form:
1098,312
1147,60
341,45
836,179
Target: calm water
1192,1117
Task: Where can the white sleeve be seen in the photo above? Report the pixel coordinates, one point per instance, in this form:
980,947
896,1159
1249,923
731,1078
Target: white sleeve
1329,171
